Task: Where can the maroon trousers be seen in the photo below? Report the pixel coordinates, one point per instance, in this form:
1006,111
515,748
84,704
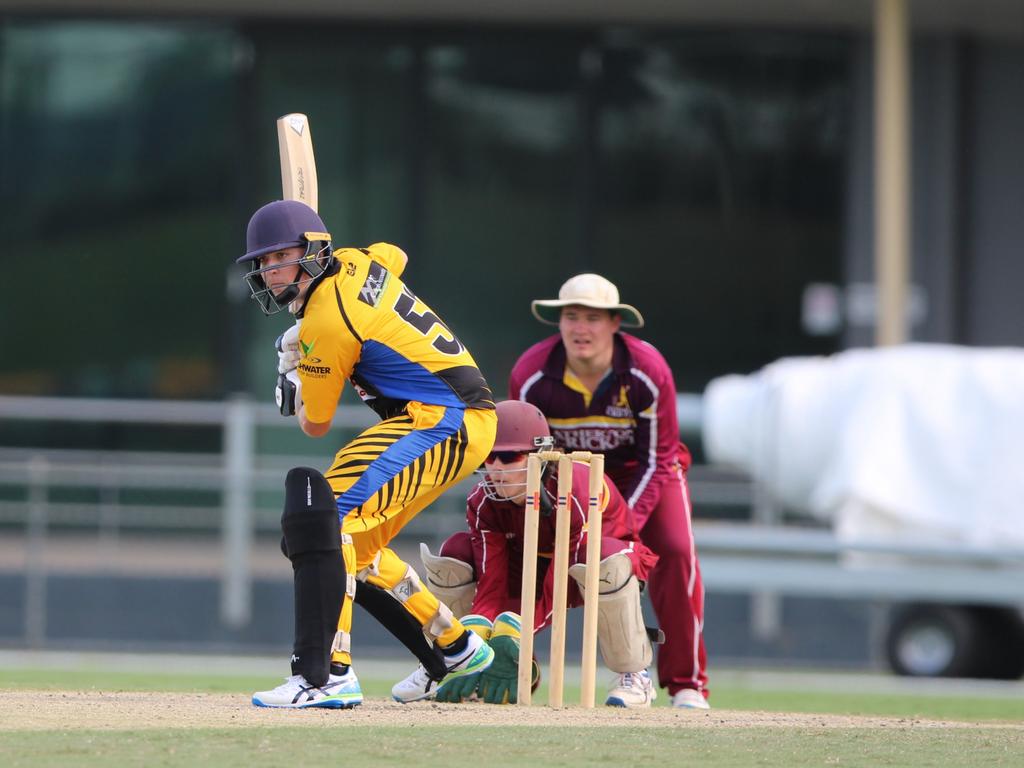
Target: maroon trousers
676,589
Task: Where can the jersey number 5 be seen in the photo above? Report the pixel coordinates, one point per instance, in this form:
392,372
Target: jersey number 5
423,323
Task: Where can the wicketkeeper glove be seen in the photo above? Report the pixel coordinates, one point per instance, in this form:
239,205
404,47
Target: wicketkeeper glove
464,688
499,683
288,393
287,346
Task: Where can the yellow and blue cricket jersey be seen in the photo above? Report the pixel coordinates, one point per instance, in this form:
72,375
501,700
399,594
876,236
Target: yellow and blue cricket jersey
365,325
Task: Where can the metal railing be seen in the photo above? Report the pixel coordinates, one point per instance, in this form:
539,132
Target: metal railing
236,475
236,494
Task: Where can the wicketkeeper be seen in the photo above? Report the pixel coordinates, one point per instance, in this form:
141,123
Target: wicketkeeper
479,571
356,320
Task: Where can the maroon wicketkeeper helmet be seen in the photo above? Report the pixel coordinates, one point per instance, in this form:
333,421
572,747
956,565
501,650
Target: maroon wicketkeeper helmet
520,424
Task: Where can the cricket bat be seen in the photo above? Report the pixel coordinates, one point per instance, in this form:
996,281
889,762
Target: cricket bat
298,167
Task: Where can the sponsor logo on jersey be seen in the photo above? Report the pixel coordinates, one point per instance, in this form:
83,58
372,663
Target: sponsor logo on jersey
311,366
306,349
596,439
363,394
375,285
315,371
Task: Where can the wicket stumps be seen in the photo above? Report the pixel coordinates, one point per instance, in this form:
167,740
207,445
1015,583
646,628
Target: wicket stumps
560,565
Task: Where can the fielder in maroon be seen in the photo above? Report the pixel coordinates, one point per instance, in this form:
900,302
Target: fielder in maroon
606,391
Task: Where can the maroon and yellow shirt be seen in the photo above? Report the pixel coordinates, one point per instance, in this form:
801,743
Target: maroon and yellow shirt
631,418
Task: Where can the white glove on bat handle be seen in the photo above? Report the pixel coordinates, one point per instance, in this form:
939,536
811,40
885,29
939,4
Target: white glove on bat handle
287,345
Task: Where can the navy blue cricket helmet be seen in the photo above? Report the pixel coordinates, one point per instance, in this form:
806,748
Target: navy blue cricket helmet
274,227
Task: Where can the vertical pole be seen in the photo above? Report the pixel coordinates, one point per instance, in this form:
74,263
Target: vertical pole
892,189
528,591
35,552
239,454
560,567
588,666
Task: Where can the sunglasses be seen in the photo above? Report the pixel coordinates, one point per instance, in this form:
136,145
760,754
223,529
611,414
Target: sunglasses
505,457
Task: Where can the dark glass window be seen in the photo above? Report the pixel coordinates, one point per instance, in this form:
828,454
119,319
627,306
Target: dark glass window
499,177
117,206
701,171
717,194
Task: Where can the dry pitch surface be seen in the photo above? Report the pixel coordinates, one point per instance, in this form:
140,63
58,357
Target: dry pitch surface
71,710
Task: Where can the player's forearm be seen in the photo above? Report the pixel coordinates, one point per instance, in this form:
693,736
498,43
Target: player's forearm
313,428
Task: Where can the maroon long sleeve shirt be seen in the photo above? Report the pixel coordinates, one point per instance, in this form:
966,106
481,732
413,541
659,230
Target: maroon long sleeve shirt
631,418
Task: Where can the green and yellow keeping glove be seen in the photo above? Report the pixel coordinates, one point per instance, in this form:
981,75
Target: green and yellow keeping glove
464,688
499,683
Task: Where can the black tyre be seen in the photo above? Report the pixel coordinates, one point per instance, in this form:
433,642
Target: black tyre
1004,628
955,641
933,641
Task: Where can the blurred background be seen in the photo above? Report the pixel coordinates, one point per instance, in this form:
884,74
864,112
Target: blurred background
764,181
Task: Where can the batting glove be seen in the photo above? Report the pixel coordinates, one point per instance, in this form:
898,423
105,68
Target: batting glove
288,393
287,345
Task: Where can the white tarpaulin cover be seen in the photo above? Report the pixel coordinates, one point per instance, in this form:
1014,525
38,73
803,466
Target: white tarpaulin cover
920,442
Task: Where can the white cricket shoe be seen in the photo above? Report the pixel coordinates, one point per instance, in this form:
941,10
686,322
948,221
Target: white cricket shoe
339,692
688,698
633,689
418,686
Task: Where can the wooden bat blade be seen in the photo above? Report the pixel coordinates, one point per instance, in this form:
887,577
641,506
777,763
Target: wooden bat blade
298,166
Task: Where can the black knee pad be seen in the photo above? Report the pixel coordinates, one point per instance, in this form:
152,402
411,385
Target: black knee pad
312,541
310,520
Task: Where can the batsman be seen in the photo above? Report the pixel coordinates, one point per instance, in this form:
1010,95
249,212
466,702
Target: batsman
356,320
479,571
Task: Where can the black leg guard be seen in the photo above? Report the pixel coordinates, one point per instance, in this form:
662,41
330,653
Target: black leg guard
400,623
312,541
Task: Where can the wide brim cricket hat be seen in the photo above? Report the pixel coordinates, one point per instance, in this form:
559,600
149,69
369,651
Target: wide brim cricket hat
586,290
278,225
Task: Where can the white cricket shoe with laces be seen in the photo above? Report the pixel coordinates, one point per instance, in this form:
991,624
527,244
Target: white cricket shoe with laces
419,686
688,698
339,692
632,689
416,687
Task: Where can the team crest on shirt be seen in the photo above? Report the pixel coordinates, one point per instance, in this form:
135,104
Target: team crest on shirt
375,284
620,409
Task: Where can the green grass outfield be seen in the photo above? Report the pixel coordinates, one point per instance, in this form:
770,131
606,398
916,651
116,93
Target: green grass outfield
997,740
